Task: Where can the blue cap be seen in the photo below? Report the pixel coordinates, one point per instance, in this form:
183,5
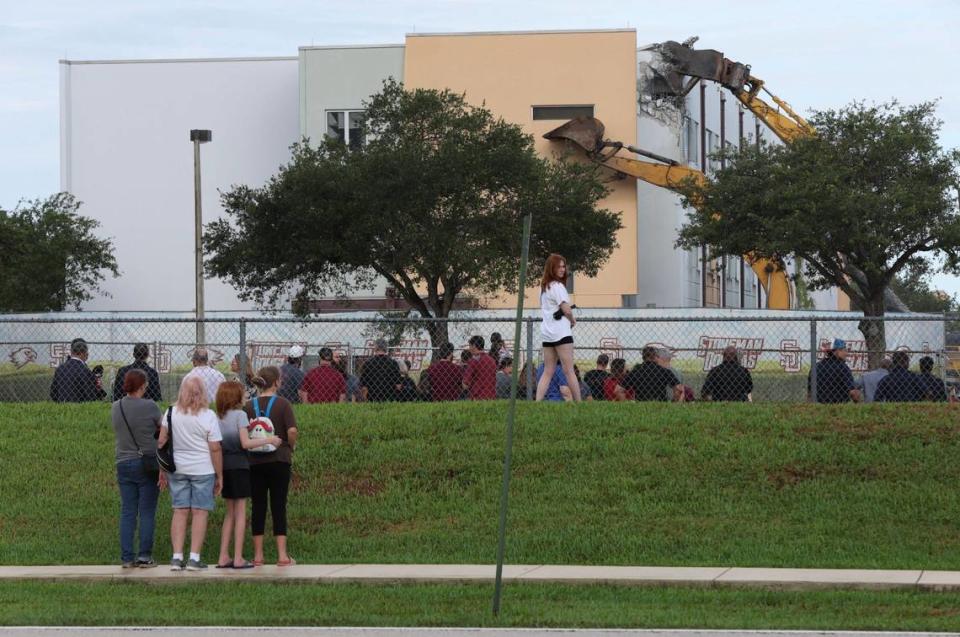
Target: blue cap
839,343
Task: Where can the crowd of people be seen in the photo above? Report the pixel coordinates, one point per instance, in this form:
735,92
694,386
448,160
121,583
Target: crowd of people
216,453
891,381
243,449
480,373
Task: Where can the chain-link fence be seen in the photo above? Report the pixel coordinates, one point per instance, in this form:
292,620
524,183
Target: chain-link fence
759,358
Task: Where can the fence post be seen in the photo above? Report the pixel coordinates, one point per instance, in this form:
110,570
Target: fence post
813,360
944,359
350,365
529,367
243,351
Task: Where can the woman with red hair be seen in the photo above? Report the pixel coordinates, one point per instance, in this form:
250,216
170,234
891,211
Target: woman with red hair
556,327
135,422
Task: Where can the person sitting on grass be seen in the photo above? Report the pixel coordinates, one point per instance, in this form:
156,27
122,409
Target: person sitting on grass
900,385
558,390
612,390
934,388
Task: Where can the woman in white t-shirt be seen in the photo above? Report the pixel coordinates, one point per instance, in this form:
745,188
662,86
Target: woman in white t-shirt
199,474
556,327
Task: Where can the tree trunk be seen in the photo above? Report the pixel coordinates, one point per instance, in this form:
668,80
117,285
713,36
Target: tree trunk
874,331
439,334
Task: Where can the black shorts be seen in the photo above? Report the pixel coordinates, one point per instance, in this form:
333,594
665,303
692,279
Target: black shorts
236,484
566,340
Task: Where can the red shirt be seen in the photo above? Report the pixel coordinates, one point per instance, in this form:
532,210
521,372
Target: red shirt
480,377
324,384
446,380
610,389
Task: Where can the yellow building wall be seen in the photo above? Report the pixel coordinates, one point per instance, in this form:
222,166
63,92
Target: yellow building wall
843,301
511,73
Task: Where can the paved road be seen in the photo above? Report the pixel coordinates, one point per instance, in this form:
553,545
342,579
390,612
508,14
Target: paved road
427,632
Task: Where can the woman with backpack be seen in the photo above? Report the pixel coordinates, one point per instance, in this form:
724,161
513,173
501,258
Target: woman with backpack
270,464
236,471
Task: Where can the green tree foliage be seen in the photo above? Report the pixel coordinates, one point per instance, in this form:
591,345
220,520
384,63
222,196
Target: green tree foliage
869,196
50,258
431,203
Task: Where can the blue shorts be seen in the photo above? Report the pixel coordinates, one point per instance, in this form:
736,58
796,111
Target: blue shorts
191,492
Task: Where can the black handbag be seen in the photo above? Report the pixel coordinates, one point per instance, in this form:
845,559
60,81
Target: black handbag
559,313
150,465
165,453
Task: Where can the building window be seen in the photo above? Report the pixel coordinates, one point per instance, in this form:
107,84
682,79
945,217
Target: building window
345,126
732,267
562,112
691,140
713,145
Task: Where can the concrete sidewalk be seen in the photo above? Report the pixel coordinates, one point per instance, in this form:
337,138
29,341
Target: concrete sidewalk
776,578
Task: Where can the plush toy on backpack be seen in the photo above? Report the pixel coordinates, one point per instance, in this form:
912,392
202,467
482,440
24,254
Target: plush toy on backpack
261,426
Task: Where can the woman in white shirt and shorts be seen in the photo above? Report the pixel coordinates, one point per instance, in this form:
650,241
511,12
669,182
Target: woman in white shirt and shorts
557,333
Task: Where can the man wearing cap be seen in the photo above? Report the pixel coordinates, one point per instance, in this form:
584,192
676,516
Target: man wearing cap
291,375
141,352
651,381
834,379
380,378
324,383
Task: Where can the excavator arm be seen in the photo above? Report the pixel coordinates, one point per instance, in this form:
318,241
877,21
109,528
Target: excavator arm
678,62
588,134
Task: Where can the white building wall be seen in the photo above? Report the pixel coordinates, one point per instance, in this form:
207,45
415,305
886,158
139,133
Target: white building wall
126,154
667,276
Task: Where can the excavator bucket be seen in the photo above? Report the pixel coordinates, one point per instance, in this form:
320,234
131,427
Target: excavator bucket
585,132
679,61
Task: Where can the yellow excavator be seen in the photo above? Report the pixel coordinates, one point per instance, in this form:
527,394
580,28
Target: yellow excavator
679,69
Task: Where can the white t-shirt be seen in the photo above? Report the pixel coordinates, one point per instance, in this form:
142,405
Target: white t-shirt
212,378
191,435
552,329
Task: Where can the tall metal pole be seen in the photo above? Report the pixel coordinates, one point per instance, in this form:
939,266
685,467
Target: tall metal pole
529,366
723,164
813,360
198,241
511,413
703,169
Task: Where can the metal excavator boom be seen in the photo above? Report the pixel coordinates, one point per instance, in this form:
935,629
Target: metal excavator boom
588,134
680,66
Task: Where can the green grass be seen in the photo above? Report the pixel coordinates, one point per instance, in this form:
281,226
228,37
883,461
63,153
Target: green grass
725,485
141,604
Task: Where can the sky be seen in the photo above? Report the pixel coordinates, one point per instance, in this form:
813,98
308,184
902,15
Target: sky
815,54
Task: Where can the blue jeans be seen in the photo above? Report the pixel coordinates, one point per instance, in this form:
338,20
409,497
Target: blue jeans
138,498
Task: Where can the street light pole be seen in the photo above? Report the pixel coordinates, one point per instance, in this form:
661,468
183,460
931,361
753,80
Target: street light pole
198,136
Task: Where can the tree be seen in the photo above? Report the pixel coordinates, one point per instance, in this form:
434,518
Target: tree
431,203
50,258
869,196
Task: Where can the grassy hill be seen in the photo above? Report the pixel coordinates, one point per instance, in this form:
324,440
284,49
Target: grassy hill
699,484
